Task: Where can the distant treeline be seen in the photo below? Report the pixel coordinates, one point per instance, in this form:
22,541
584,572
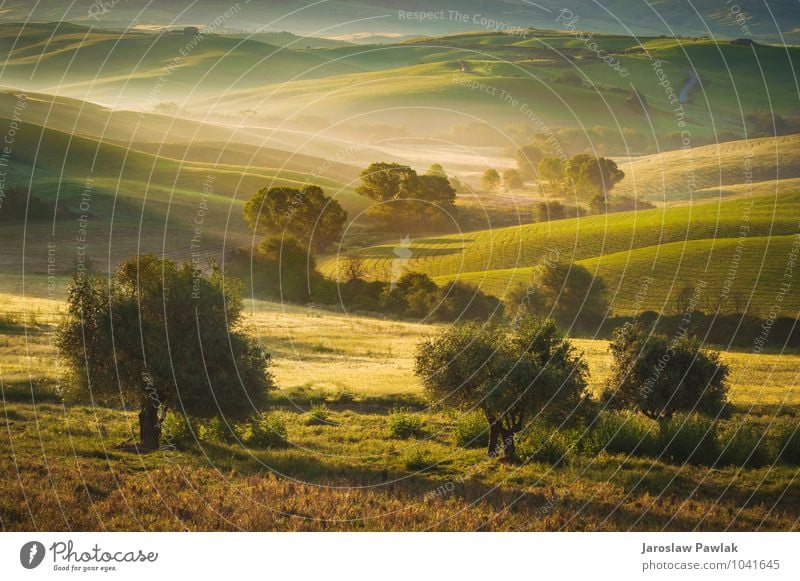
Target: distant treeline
284,272
736,330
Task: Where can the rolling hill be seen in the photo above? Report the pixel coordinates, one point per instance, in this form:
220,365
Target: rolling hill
338,17
675,245
586,237
547,79
730,168
125,201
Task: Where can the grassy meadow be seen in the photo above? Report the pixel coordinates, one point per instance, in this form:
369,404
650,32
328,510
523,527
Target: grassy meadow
342,468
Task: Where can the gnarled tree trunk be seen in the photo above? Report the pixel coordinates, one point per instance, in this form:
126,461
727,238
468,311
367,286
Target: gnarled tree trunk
508,446
149,425
494,436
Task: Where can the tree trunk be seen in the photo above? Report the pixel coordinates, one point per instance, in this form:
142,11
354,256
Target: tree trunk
494,437
149,426
508,446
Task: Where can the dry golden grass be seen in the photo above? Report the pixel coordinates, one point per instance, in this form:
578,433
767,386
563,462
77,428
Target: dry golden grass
60,470
333,352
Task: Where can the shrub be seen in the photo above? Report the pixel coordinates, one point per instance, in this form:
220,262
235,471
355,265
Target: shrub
471,431
745,445
624,434
541,443
319,416
491,368
460,301
217,430
155,370
403,424
267,432
176,431
689,439
789,442
569,293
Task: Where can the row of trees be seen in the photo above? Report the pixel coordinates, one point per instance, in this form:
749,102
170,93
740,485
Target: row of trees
405,200
584,177
415,295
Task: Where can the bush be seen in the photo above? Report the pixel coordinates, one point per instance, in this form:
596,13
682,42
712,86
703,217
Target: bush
471,431
541,443
789,442
176,431
624,434
459,301
319,416
267,432
403,424
689,439
745,445
217,430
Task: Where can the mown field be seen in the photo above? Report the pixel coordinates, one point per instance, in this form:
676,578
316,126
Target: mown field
673,245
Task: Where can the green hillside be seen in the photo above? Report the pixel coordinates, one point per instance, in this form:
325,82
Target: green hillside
735,275
426,85
163,66
133,201
586,237
552,74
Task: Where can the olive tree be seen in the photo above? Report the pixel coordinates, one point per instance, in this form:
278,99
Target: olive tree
156,335
659,376
510,374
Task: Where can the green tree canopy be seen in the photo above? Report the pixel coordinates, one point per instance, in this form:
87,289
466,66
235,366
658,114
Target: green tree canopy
659,376
437,190
551,170
383,181
592,175
566,292
528,156
308,215
512,179
413,201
